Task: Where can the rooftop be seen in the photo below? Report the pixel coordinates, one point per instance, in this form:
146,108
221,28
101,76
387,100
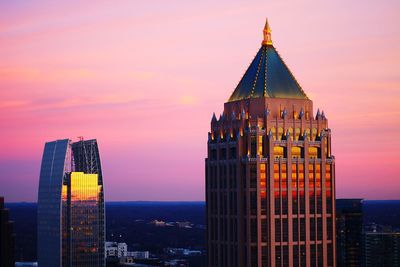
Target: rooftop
268,75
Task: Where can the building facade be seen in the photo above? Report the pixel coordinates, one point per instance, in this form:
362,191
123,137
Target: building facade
382,249
349,232
7,237
115,249
71,224
270,186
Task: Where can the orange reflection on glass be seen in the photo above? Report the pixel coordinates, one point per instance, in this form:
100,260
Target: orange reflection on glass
278,151
276,175
311,175
328,193
296,152
260,145
283,176
318,176
84,187
312,152
294,175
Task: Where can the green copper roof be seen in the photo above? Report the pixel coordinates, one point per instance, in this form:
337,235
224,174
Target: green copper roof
268,76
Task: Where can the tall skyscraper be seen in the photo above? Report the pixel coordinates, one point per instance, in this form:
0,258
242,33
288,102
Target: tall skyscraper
270,173
7,237
71,224
349,232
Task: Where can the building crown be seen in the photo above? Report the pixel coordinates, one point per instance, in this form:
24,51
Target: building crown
267,34
268,75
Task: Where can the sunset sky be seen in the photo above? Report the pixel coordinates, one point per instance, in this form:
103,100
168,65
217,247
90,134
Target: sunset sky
144,77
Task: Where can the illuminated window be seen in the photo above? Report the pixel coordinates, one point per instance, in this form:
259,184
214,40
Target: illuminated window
301,175
283,176
311,175
276,176
328,176
278,151
296,152
260,145
312,152
294,176
318,176
263,177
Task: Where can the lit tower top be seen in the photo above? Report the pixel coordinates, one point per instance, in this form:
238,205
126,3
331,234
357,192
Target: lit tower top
267,34
268,75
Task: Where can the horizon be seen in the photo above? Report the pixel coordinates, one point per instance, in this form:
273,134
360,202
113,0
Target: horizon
196,201
145,78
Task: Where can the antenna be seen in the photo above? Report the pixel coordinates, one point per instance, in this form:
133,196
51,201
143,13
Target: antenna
80,138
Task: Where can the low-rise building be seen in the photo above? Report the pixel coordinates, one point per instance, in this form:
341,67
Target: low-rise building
114,249
138,254
158,223
26,264
182,252
184,224
176,263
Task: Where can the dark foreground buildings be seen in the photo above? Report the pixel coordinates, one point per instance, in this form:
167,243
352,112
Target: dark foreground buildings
7,237
71,226
270,174
349,232
382,249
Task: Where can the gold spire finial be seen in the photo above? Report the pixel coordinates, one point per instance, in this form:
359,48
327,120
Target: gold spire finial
267,34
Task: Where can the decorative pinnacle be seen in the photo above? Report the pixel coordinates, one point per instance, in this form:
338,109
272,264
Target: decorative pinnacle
267,34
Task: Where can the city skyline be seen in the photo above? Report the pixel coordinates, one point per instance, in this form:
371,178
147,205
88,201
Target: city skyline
153,73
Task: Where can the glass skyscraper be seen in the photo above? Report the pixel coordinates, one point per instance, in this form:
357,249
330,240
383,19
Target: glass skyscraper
270,174
71,205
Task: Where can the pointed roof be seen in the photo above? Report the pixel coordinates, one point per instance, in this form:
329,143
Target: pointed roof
267,34
268,75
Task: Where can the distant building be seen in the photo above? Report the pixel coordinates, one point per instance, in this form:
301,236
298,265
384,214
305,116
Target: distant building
140,255
120,250
115,249
184,224
349,232
158,223
176,263
7,237
270,173
382,249
188,252
182,252
71,206
26,264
